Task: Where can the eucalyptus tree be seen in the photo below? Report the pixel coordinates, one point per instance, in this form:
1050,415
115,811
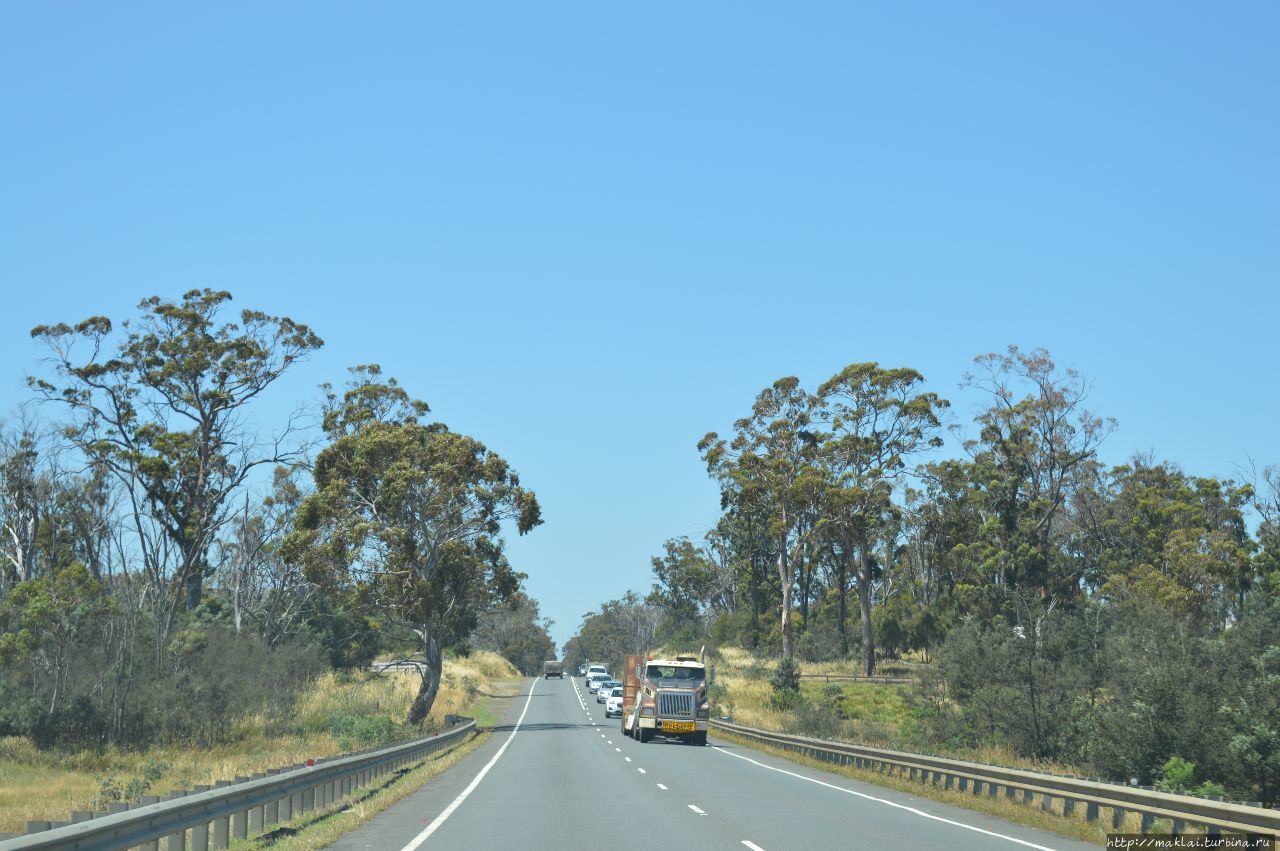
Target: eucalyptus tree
266,591
1032,453
692,581
406,518
21,507
877,420
772,463
163,409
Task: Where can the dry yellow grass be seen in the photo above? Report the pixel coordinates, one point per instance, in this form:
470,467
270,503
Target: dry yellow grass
47,785
876,712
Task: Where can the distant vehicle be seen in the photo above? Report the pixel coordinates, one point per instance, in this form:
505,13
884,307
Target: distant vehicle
593,669
594,680
582,670
552,668
604,688
613,703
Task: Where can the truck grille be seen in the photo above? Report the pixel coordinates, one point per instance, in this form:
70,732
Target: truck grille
675,704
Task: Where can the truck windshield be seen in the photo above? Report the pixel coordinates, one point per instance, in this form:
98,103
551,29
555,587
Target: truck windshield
673,672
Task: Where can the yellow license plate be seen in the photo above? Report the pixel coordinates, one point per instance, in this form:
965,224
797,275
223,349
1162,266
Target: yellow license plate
678,727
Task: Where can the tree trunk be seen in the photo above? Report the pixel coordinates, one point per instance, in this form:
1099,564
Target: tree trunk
195,584
430,685
755,600
806,575
784,571
864,605
843,579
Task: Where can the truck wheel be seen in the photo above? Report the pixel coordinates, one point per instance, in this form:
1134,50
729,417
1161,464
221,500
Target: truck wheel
645,735
700,738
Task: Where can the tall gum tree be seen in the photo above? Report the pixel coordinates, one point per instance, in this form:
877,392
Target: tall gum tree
1033,452
877,421
772,462
406,518
162,408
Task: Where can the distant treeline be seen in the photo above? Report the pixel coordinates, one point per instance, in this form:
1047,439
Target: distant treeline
1111,617
168,565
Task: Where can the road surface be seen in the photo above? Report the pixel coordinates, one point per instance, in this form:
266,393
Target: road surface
559,776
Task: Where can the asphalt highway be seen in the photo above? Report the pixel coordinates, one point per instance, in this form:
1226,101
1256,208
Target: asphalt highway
560,776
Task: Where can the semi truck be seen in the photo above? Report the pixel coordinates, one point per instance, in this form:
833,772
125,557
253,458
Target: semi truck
665,697
552,668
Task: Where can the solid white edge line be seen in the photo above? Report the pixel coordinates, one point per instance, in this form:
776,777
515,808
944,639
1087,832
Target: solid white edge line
752,845
920,813
462,796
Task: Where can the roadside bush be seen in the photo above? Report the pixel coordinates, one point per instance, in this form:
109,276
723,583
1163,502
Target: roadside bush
785,682
363,730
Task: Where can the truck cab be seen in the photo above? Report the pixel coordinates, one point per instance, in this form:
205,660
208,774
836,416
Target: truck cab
665,697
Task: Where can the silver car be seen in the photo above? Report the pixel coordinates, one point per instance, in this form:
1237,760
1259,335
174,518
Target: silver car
606,686
613,703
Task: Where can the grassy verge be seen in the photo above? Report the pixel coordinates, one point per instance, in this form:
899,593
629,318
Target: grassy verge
320,830
338,713
1029,815
862,713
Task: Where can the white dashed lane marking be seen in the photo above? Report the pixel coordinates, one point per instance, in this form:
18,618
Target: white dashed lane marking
698,811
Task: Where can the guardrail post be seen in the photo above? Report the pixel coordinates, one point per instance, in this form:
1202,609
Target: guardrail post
240,825
1028,796
1117,818
1091,811
977,787
176,841
271,810
1046,803
947,781
258,815
964,784
1010,792
36,826
153,845
221,832
1179,826
1068,807
1147,821
200,832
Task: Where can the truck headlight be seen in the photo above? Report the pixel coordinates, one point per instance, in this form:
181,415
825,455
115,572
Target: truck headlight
703,713
646,711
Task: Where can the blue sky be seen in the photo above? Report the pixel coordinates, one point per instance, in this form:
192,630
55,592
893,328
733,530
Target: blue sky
589,233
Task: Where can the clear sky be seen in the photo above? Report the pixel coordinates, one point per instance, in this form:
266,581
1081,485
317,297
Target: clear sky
588,233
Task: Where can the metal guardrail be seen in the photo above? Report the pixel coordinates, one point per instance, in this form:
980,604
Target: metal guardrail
235,811
1182,810
875,680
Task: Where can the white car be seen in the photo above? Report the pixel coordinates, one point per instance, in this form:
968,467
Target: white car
613,703
604,688
594,669
594,680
